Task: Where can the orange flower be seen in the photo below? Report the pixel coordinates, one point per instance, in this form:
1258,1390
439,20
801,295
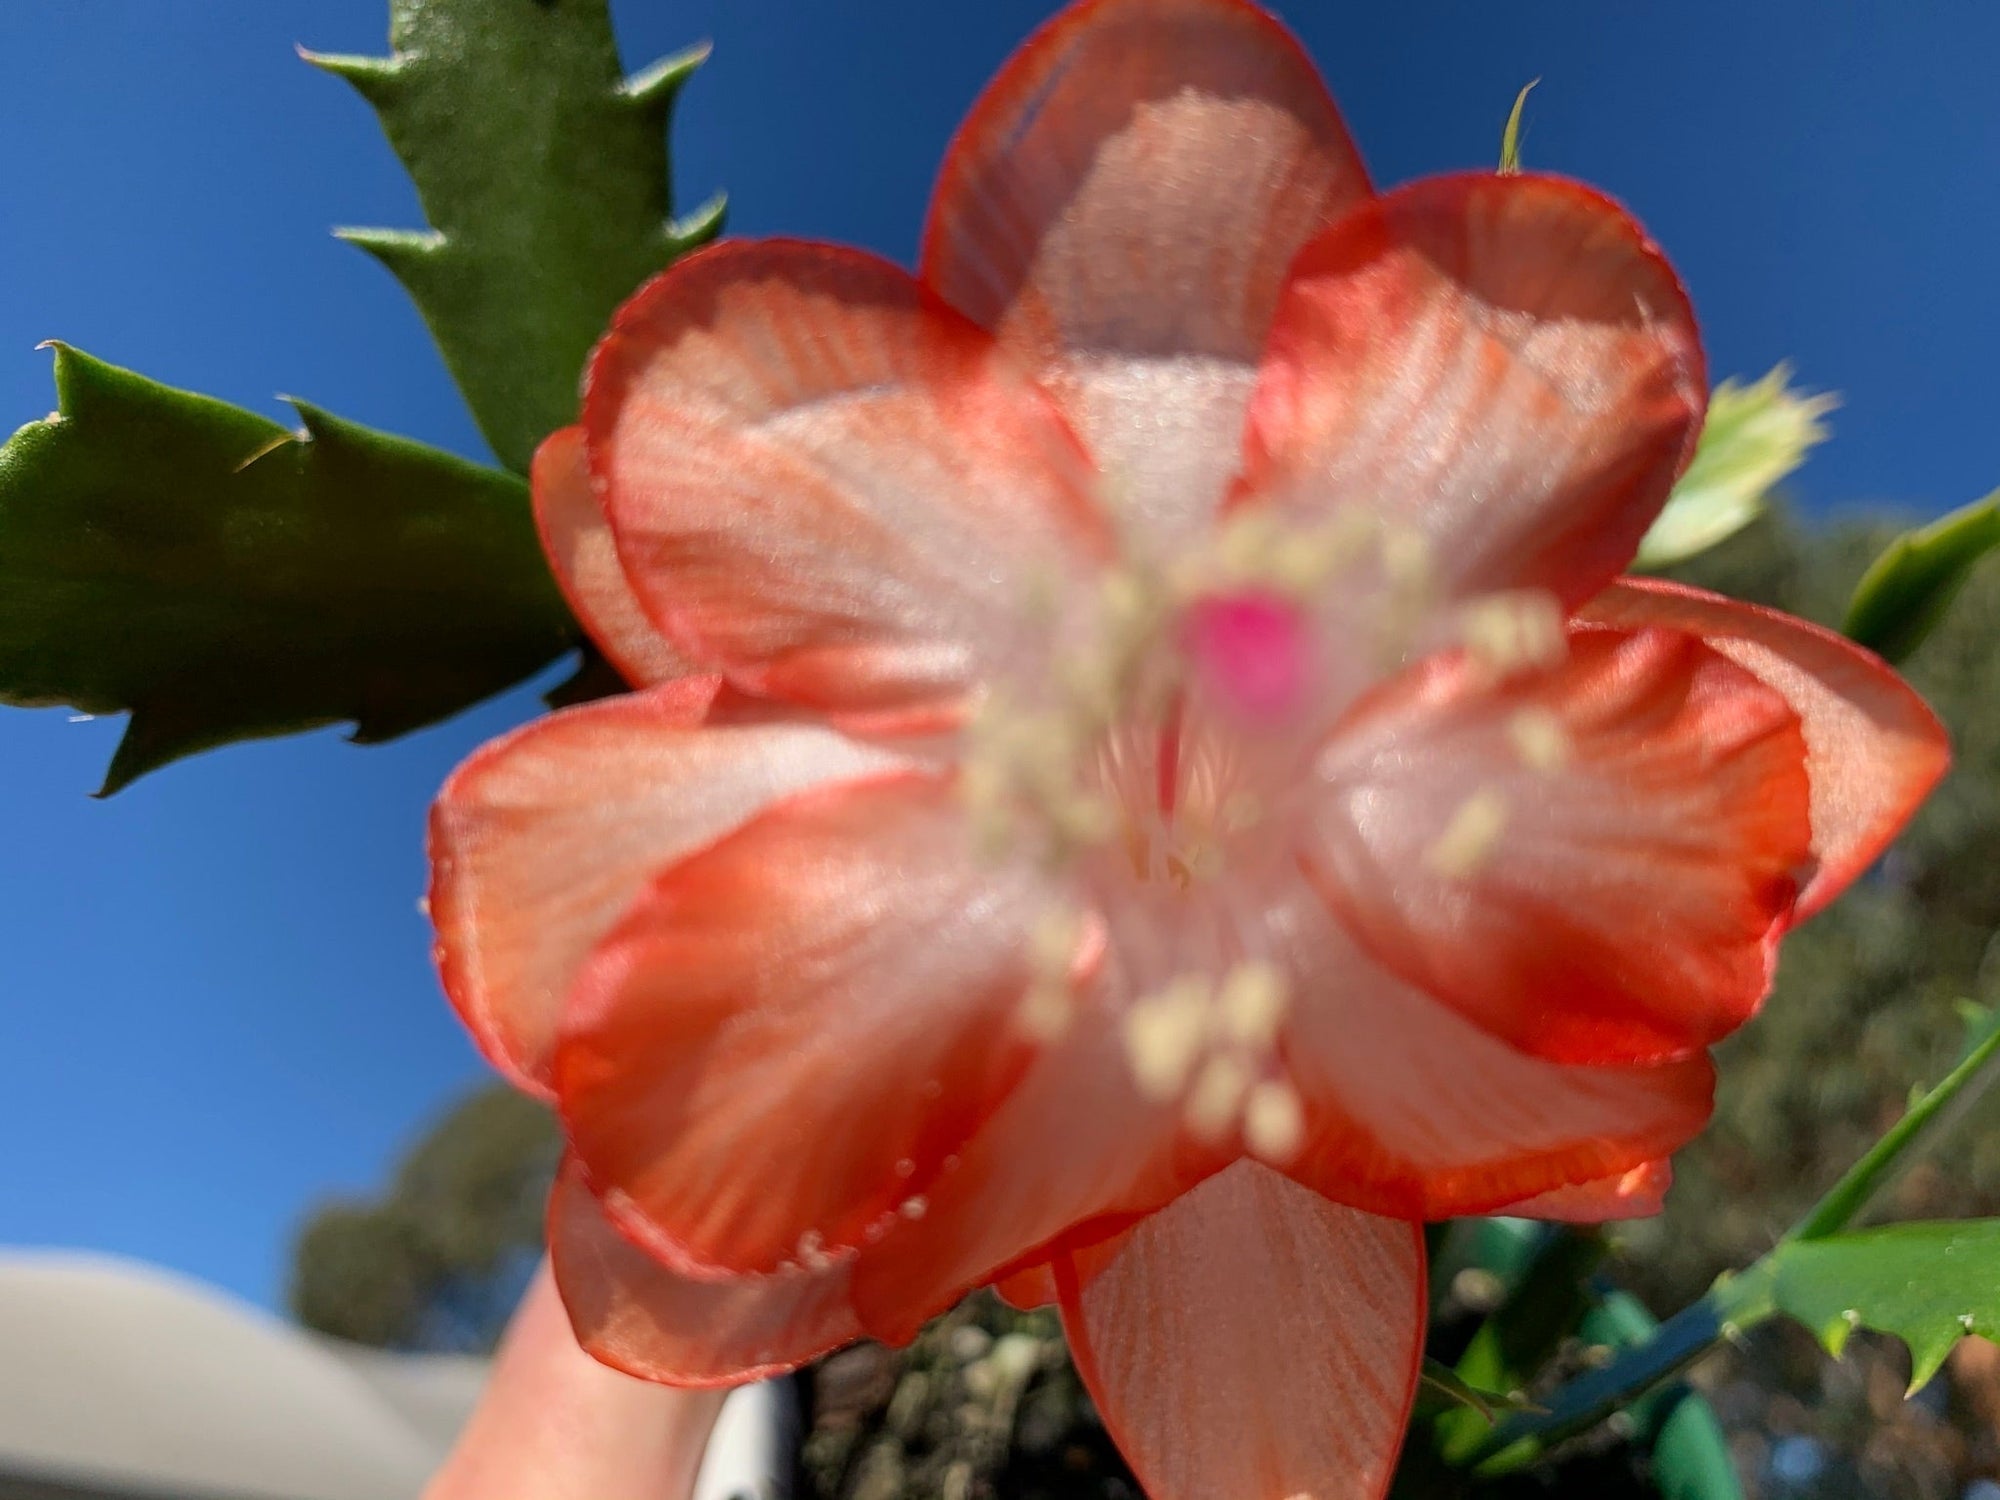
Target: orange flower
1177,792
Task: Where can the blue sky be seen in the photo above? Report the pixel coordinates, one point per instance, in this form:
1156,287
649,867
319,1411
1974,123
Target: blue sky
216,1003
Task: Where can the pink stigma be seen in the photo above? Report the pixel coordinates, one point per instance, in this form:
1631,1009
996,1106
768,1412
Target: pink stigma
1251,652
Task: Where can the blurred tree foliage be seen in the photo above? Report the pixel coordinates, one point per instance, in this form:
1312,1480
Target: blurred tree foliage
1865,1001
439,1260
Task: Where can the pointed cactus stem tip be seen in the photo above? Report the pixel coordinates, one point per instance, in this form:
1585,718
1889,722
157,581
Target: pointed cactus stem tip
658,86
374,78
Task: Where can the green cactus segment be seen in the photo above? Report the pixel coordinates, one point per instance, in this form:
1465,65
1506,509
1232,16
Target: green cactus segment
1927,1284
221,577
1510,135
1756,435
1907,591
544,173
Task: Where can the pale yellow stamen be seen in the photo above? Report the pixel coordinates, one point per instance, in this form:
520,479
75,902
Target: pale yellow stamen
1406,558
1083,817
1247,546
1217,1097
1539,739
1089,676
1057,945
1053,943
1258,549
1309,559
1471,836
1018,758
1274,1122
1507,633
1251,1003
1163,1034
1407,600
1046,1011
1126,601
1243,811
983,785
1197,862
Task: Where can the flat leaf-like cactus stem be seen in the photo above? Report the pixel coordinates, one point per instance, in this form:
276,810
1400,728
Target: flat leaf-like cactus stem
544,173
1928,1284
222,577
1907,591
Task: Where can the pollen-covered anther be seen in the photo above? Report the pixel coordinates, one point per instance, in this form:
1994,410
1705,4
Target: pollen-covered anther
1164,1033
812,1251
1539,739
1257,549
983,785
1061,946
1409,579
1250,1006
1242,812
1082,818
1244,553
1215,1103
1125,600
1470,837
1274,1122
1514,631
1312,557
1097,678
1406,558
1030,762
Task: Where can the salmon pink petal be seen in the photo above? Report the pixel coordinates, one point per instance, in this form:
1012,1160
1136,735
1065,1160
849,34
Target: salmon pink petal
1121,206
1637,1194
772,1057
1593,861
1505,366
1415,1112
639,1316
1028,1288
824,482
1254,1340
577,538
554,1424
1036,1285
1073,1156
1874,749
541,840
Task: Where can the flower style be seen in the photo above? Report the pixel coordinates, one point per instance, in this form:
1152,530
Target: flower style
1147,783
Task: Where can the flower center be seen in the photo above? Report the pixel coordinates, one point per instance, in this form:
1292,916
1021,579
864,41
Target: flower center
1252,652
1165,715
1159,761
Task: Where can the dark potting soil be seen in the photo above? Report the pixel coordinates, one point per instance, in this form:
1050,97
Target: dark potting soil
985,1406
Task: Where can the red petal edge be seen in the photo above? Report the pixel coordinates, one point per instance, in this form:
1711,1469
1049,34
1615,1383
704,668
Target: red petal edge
576,538
1874,748
1506,366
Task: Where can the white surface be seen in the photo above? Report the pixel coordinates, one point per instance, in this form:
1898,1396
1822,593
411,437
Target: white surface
748,1453
113,1371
